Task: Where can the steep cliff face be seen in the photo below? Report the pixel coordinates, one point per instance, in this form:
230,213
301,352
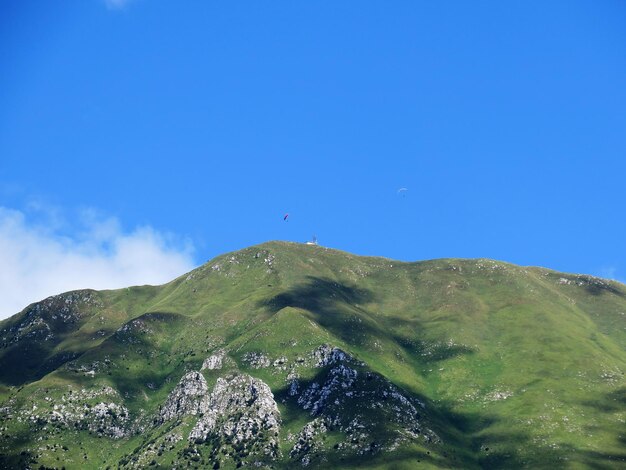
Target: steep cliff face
289,356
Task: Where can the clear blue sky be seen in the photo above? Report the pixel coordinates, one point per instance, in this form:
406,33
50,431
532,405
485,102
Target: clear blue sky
209,121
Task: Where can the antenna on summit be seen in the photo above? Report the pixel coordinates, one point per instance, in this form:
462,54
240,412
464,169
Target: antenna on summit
313,241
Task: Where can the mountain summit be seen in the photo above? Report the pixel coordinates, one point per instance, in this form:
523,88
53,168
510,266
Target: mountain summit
287,355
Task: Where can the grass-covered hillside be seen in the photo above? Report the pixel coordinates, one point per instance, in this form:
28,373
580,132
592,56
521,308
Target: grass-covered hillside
286,355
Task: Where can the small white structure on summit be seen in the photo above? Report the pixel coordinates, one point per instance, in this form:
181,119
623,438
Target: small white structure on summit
313,241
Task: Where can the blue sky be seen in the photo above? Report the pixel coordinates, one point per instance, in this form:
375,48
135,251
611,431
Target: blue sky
191,128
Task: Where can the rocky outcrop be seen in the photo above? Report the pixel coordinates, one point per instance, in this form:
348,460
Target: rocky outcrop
214,361
315,397
107,419
256,360
308,441
43,321
241,412
190,397
355,401
94,410
326,355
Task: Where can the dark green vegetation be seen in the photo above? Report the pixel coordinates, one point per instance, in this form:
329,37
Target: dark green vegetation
514,366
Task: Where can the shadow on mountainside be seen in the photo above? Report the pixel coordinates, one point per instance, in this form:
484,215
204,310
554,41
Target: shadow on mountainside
409,335
333,305
337,307
140,362
320,295
599,288
468,439
31,359
609,404
340,413
476,439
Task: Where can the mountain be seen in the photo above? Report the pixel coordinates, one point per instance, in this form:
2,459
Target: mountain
285,355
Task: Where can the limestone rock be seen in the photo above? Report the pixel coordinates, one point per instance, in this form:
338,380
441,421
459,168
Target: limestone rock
190,397
215,361
239,410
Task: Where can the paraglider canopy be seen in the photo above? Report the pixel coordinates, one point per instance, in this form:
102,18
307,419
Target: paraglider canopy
285,218
402,191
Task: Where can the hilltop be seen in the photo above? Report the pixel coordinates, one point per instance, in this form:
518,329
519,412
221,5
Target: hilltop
284,355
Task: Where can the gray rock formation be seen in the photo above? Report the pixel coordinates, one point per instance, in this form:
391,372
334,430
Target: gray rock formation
308,442
326,355
241,411
256,360
77,410
190,397
214,361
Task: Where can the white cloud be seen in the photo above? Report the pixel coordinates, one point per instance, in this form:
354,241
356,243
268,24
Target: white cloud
38,261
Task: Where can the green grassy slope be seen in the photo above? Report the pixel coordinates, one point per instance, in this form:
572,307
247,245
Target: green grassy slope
517,367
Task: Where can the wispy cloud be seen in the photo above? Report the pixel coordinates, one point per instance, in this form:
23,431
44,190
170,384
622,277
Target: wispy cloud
39,259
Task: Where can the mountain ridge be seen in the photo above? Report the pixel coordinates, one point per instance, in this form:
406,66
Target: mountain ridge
496,365
274,243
